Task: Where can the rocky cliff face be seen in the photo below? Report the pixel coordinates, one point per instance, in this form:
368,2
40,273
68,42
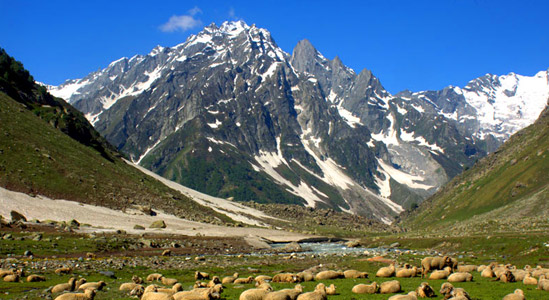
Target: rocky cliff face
229,113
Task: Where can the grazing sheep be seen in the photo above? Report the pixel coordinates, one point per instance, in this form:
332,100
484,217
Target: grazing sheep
137,279
11,278
88,294
517,295
386,271
35,278
215,281
258,293
467,268
543,284
128,286
285,277
331,290
285,294
435,263
529,280
168,281
425,291
70,286
250,279
460,277
92,285
355,274
409,296
318,294
230,279
390,287
154,276
365,288
407,273
305,276
201,275
65,270
440,274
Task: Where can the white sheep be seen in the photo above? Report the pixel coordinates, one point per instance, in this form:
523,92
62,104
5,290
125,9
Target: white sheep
410,296
248,280
318,294
168,281
128,286
174,289
156,296
390,287
256,294
154,276
425,291
365,288
285,294
386,271
88,294
230,279
35,278
543,284
517,295
460,277
69,286
92,285
355,274
326,275
440,274
529,280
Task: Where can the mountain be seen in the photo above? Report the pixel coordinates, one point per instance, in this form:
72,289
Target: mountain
509,187
48,148
230,114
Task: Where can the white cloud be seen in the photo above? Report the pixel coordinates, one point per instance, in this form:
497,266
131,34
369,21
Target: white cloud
184,22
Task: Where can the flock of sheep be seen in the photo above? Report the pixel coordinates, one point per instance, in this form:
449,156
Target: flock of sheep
439,268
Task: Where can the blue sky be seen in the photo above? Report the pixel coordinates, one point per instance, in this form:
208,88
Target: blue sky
416,45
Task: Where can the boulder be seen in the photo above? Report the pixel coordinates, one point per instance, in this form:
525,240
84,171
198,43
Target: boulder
158,224
15,216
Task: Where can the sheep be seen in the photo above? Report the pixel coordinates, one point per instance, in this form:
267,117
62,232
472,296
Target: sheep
517,295
64,286
4,272
407,273
520,274
355,274
453,264
435,263
250,279
540,271
174,289
258,293
137,291
425,291
230,279
331,290
88,294
199,285
318,294
156,296
410,296
365,288
78,283
543,284
137,279
285,294
64,270
92,285
154,277
507,276
529,280
390,287
200,294
215,280
263,278
128,286
460,277
285,277
325,275
449,292
201,275
440,274
386,271
168,281
11,278
305,276
467,268
35,278
487,272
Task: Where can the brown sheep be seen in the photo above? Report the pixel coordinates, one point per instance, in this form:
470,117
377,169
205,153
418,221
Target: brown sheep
11,278
88,294
305,276
440,274
65,270
425,291
410,296
543,284
285,277
92,285
326,275
506,276
285,294
168,281
35,278
355,274
365,288
386,271
215,281
435,263
517,295
390,287
128,286
460,277
154,277
201,275
137,279
318,294
467,268
70,286
331,290
529,280
256,294
407,273
137,291
250,279
229,279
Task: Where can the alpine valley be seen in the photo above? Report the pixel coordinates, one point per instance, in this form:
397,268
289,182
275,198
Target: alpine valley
230,114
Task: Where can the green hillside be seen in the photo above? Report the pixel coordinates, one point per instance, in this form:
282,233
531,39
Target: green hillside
47,147
507,188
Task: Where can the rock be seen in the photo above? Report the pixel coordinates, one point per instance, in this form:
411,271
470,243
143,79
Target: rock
15,216
352,244
292,247
37,237
395,245
158,224
138,227
109,274
73,223
28,253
